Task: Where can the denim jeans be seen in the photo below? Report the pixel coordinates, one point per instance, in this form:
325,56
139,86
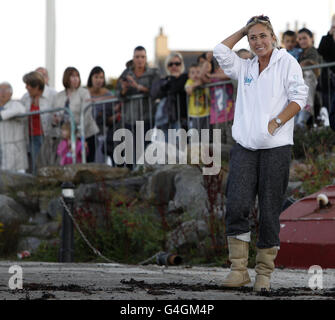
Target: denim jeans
35,146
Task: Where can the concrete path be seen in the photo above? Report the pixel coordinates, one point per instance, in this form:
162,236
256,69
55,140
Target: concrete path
86,281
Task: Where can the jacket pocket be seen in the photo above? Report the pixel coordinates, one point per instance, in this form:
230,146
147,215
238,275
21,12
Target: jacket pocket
264,123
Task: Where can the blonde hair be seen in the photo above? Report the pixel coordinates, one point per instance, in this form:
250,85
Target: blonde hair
170,57
265,23
67,126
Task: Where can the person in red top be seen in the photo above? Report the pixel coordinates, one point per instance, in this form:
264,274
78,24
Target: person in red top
35,85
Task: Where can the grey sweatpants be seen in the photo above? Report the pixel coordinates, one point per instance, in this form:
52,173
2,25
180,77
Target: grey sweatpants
265,173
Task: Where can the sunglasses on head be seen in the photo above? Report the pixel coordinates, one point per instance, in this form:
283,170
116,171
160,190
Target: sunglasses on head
177,64
262,18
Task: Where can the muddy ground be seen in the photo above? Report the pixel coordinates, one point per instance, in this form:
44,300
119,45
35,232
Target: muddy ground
85,281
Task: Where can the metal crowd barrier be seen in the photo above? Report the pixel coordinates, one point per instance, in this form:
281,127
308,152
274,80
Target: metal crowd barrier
123,113
26,117
326,82
113,113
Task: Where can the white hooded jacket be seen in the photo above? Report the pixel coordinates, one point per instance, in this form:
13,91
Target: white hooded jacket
262,97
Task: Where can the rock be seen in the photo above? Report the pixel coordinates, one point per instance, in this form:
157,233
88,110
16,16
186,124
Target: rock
49,230
83,173
160,187
45,231
101,192
15,181
159,153
131,184
29,202
94,192
39,218
187,234
191,195
27,229
11,211
29,243
203,153
55,209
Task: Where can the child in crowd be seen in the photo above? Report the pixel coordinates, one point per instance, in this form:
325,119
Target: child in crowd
198,100
289,41
222,102
64,149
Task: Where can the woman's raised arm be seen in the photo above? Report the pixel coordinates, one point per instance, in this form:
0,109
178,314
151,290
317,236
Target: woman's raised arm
234,38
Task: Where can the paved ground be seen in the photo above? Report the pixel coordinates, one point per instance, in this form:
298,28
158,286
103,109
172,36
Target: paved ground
84,281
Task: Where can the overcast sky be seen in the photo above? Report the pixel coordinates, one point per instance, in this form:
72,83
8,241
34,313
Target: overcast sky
105,32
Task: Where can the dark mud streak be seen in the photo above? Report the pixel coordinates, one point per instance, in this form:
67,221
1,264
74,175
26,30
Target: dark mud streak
282,292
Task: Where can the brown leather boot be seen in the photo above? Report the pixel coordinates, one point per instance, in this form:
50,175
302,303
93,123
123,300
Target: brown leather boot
264,267
238,255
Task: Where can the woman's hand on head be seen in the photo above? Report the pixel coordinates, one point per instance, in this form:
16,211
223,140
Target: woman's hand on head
244,31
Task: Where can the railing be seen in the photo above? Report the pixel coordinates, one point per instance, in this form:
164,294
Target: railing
138,107
114,113
28,117
326,81
111,113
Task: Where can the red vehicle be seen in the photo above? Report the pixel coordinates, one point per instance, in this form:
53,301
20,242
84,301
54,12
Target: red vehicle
307,234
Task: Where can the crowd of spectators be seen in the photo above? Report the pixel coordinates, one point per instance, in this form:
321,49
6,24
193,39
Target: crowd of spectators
201,97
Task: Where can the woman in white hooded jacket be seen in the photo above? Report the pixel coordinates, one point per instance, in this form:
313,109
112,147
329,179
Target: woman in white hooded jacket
271,91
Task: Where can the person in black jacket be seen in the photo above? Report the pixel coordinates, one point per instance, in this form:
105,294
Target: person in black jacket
327,51
332,114
172,110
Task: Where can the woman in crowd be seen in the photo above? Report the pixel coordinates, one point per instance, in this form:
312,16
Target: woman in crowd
77,98
306,43
39,124
96,85
172,109
271,92
309,56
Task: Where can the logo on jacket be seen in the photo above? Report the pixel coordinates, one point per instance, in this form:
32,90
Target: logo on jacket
248,80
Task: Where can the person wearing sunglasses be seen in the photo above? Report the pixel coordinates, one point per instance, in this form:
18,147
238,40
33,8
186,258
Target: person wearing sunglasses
172,109
271,91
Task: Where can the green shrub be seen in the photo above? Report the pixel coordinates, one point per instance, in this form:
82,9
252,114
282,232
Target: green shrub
313,142
129,234
316,174
9,238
